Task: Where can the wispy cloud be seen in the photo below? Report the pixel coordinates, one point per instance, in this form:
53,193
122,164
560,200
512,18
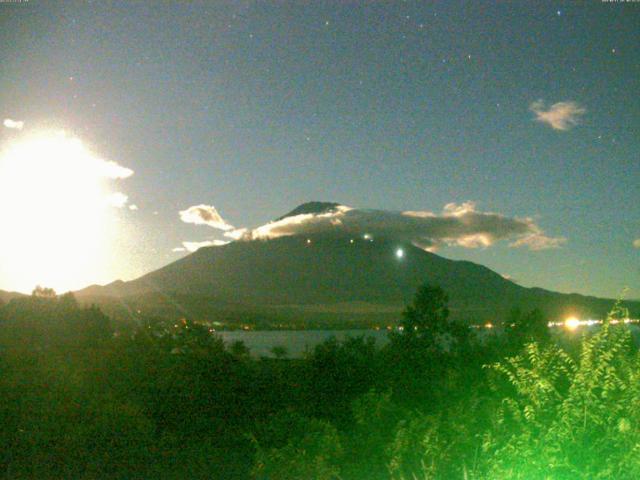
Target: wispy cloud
559,116
539,241
193,246
205,215
457,225
14,124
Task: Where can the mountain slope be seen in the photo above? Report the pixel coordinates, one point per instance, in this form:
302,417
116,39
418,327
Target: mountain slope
311,207
330,269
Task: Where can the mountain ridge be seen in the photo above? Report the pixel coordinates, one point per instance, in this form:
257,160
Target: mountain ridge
340,269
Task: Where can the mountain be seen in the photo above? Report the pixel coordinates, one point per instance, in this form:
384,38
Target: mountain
332,275
311,207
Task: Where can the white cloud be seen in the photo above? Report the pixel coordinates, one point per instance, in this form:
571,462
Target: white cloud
205,215
458,225
117,199
133,206
179,249
193,246
559,116
14,124
636,243
539,241
114,171
238,233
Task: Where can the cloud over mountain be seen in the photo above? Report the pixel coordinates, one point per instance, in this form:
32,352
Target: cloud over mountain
193,246
457,225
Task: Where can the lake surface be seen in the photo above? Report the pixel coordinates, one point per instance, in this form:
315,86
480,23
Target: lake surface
296,342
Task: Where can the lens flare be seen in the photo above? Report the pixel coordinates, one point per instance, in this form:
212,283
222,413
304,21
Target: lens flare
55,210
571,323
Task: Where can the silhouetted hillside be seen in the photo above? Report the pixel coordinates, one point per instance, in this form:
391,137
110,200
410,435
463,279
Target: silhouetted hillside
319,271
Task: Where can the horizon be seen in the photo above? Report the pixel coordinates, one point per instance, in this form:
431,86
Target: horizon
496,134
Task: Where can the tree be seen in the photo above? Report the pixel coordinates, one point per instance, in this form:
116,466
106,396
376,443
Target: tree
295,447
43,292
522,328
67,302
279,351
428,315
239,349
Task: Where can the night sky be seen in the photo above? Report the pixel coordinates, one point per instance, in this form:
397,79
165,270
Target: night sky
527,109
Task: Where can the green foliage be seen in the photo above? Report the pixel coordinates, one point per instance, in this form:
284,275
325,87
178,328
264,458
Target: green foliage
569,419
443,445
46,320
338,372
312,449
168,400
376,416
239,349
279,351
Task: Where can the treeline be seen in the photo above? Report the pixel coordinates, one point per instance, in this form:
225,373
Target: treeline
80,399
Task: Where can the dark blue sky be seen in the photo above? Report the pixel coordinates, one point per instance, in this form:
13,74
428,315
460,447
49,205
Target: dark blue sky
258,107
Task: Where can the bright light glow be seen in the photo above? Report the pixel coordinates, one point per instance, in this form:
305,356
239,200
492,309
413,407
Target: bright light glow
55,211
399,253
572,323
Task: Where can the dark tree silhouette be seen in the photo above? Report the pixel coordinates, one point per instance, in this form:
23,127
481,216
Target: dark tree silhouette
522,328
279,351
43,292
239,349
428,315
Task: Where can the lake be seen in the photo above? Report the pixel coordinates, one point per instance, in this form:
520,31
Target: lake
297,342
